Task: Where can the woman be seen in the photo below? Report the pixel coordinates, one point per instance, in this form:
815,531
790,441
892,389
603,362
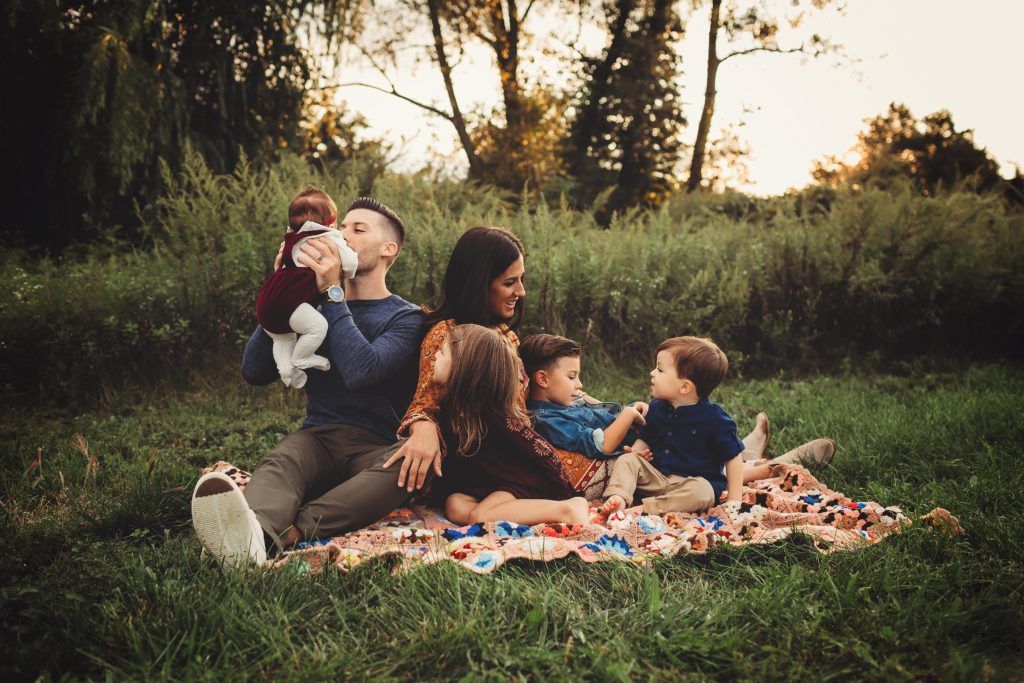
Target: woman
483,285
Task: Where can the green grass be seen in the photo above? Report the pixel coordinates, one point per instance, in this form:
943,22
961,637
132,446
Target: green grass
102,575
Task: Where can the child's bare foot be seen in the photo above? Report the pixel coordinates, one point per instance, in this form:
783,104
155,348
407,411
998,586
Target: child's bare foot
579,510
613,503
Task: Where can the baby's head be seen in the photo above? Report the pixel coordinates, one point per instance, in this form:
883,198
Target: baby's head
553,365
312,204
688,369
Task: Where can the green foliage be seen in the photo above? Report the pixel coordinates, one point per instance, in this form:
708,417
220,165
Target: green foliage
799,282
100,93
102,575
625,131
931,152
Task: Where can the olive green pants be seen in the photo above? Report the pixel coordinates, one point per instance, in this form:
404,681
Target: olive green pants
325,480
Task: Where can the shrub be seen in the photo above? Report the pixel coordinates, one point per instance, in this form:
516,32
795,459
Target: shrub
795,282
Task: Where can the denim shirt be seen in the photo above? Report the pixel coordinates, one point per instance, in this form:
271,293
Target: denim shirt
578,428
692,441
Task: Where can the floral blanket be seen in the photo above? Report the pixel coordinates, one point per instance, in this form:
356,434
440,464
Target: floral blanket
790,501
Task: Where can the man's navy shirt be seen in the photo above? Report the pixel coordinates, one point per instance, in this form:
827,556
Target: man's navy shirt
692,441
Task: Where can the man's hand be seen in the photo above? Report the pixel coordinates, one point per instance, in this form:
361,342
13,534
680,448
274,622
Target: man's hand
641,408
279,259
418,453
644,452
323,258
588,398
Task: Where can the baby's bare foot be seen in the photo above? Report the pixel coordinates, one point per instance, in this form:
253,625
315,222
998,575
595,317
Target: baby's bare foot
613,503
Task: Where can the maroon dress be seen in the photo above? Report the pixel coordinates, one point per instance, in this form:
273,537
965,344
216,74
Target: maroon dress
512,458
287,288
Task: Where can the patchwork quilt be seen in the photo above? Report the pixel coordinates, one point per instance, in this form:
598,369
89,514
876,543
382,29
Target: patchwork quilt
791,500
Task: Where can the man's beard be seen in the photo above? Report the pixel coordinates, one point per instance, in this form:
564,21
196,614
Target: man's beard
368,262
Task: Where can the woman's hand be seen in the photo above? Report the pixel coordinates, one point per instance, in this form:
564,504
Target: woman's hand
279,259
421,451
322,257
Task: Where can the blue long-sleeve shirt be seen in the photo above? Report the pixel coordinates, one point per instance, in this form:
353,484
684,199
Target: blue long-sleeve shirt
373,347
578,427
692,441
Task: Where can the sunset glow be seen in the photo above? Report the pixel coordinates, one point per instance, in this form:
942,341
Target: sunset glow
928,54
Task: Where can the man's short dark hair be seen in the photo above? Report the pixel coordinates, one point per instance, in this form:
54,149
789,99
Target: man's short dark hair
394,222
542,351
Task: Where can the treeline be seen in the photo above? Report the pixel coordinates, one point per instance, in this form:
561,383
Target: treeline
800,282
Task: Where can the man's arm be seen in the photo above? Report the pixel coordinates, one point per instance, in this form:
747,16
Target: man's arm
364,363
258,367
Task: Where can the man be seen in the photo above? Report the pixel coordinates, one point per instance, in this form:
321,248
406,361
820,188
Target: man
327,478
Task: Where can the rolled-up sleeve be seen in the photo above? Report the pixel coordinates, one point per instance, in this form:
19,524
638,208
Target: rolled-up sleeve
571,436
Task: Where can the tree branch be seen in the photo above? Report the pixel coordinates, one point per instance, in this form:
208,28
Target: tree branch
392,91
526,12
764,48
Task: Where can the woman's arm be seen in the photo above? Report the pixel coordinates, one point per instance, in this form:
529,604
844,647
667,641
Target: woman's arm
424,448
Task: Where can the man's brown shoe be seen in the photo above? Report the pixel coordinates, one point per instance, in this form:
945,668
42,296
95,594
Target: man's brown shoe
817,452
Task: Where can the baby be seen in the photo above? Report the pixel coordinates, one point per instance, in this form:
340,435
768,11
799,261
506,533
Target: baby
286,304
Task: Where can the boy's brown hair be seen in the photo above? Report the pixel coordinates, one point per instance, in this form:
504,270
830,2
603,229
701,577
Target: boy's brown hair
698,360
484,380
542,351
311,204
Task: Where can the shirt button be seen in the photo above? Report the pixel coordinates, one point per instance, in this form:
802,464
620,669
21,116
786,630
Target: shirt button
668,433
693,431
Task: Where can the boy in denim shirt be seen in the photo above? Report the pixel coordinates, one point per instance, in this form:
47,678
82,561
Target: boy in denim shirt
565,416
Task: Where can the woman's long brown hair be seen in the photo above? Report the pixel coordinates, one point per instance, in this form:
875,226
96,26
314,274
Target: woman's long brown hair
484,380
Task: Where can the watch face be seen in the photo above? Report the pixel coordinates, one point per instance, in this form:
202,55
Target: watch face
335,293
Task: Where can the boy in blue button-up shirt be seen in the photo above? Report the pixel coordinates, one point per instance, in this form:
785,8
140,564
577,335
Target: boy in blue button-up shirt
695,448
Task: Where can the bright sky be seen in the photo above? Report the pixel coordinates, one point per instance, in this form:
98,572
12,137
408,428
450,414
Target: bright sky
928,54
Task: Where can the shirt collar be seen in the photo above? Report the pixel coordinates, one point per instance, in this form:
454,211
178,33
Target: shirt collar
700,404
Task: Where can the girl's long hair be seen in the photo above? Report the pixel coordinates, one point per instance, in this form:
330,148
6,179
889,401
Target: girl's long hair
480,255
484,381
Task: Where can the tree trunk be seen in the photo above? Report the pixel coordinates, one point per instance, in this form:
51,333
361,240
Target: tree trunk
506,51
699,145
457,120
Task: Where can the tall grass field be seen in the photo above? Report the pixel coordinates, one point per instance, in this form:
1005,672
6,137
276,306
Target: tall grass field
813,281
101,575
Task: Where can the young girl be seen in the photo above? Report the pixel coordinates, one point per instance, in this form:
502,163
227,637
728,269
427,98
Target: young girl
499,468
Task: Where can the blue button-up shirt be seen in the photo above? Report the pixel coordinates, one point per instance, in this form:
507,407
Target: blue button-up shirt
692,441
577,428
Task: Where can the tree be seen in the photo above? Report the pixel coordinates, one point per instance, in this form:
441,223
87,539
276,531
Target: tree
99,93
625,131
931,152
510,146
759,26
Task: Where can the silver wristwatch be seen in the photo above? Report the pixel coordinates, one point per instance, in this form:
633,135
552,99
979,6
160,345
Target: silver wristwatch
335,293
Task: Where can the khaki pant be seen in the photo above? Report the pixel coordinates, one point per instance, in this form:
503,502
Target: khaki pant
633,475
325,480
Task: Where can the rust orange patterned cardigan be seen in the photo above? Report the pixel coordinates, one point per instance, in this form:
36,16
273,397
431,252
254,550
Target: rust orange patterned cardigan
426,404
